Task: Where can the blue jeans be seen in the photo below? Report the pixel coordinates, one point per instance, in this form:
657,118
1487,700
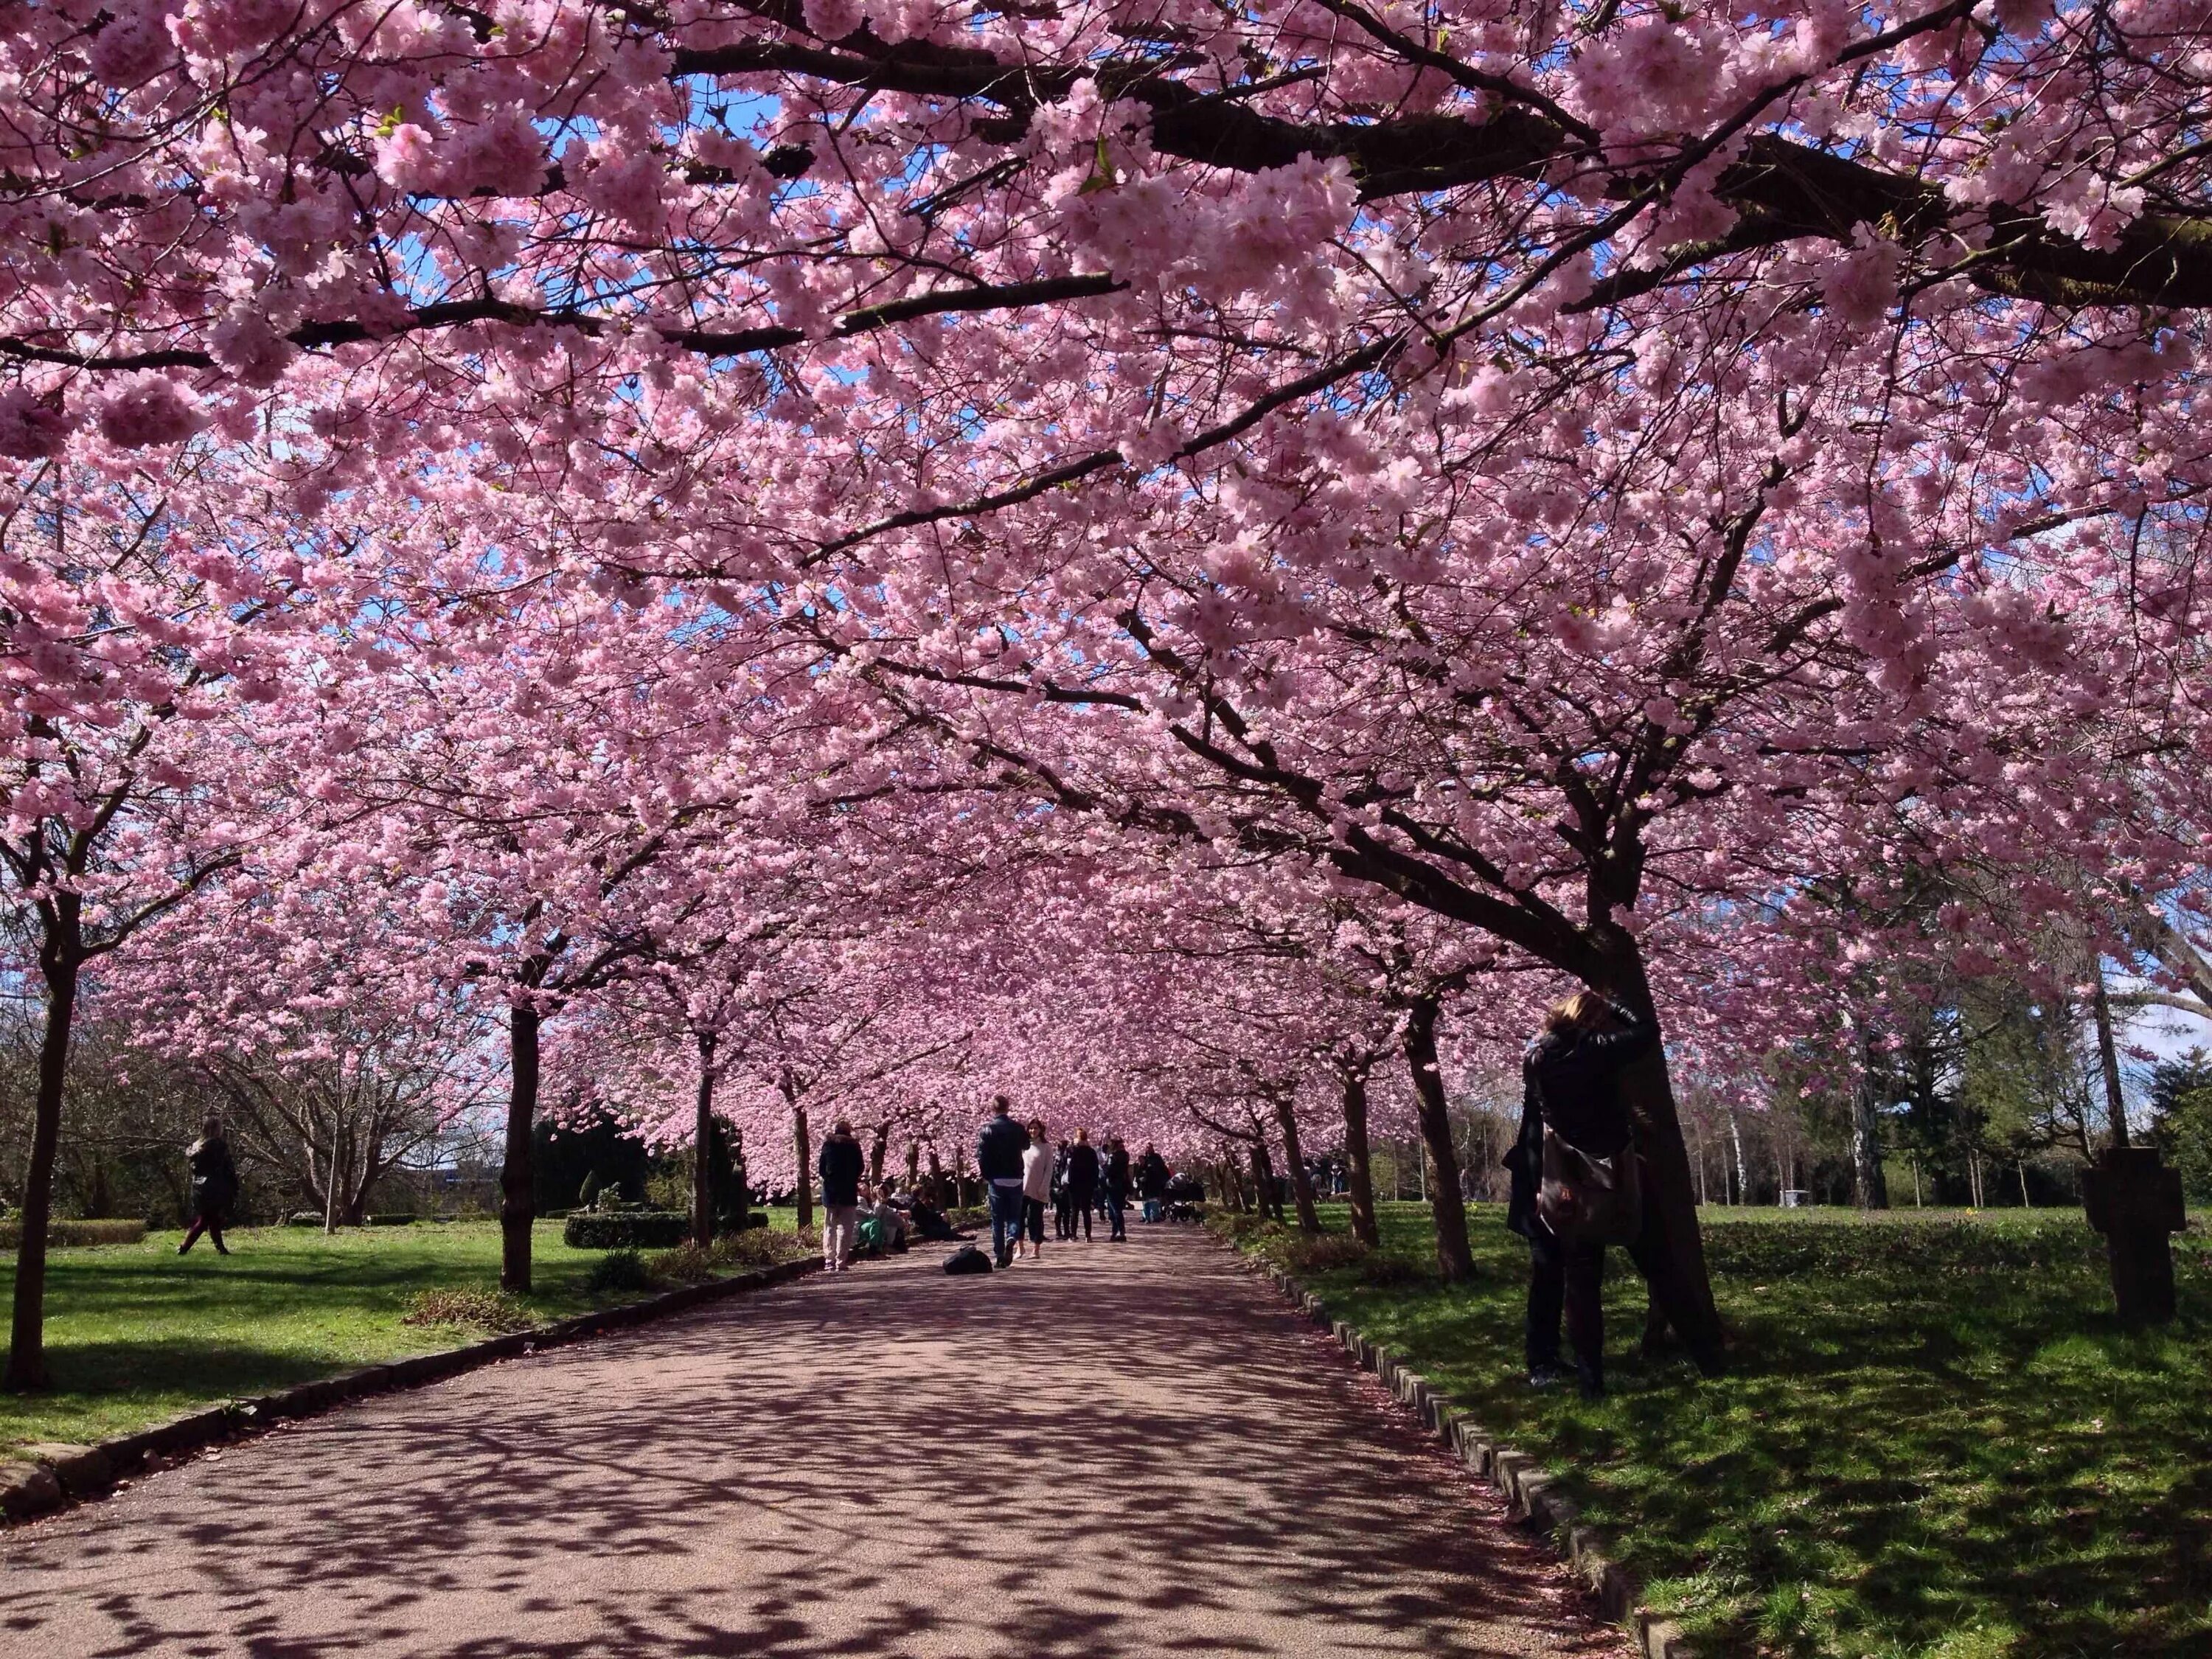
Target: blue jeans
1153,1209
1005,1217
1115,1201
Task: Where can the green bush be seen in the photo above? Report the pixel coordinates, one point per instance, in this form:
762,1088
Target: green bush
1310,1255
757,1247
76,1232
626,1230
619,1270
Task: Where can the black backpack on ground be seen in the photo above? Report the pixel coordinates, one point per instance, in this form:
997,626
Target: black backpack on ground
967,1260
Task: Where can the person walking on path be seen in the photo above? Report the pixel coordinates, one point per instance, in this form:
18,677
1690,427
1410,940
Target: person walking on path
1082,1182
1117,1191
839,1167
998,1148
1571,1088
1152,1183
215,1186
1036,1187
1063,1200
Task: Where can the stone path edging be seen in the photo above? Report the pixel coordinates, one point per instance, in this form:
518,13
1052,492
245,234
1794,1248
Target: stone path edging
56,1475
1533,1495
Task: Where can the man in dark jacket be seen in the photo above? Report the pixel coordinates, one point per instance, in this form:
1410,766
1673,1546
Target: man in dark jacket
1152,1183
1082,1183
1117,1190
839,1167
1570,1079
998,1148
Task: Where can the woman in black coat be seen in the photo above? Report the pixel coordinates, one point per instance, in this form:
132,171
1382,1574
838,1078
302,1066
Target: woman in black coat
1571,1081
215,1186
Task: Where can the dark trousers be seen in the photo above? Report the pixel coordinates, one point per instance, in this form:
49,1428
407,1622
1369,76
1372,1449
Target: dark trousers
1115,1201
1006,1220
1063,1214
1078,1210
212,1225
1569,1277
1033,1213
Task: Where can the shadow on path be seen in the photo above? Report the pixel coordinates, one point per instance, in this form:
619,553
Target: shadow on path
1125,1450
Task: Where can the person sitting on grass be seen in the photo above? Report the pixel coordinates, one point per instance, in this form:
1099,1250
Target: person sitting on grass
215,1186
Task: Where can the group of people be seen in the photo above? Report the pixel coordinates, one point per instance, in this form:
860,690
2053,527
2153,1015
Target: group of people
861,1218
1023,1173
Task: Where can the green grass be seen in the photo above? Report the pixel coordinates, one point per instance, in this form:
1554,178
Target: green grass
136,1333
1924,1455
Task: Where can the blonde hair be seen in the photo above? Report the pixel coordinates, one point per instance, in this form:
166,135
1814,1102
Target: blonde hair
1582,1011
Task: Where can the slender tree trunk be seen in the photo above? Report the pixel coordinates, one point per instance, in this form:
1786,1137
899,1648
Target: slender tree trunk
805,1166
2025,1202
1742,1169
876,1154
1869,1186
27,1342
2108,1057
518,1197
1359,1173
703,1146
1302,1191
1455,1261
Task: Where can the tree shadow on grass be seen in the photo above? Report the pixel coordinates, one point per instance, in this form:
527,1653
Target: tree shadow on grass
1895,1457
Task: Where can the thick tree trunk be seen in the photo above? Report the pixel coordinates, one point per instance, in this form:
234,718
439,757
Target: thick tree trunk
1263,1180
518,1198
805,1150
27,1342
1869,1186
1359,1173
876,1154
1455,1261
1671,1251
703,1147
1302,1192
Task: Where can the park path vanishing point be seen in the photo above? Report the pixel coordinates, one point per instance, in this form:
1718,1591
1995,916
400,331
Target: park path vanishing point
1125,1450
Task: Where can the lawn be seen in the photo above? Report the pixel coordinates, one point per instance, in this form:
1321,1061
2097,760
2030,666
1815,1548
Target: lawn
135,1334
1936,1440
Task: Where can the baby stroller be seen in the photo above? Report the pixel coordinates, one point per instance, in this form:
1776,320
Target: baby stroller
1186,1192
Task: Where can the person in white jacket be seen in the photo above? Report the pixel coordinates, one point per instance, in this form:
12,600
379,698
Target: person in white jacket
1036,1187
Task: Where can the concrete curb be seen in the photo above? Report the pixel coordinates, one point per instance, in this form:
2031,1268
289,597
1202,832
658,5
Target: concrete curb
56,1475
1532,1495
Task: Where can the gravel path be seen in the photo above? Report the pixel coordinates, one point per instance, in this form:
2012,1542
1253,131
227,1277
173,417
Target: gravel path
1128,1450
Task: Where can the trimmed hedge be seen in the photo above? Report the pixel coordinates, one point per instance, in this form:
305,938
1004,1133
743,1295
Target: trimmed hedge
393,1220
626,1230
1841,1248
76,1232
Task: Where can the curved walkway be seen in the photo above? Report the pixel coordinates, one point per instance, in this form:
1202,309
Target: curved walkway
1125,1450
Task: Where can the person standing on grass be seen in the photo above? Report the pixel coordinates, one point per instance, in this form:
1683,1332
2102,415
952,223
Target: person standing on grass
215,1186
1571,1088
998,1148
1152,1183
839,1167
1082,1182
1036,1187
1117,1190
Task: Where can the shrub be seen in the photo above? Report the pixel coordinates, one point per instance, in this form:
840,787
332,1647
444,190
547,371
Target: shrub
619,1270
1767,1250
392,1221
1317,1255
758,1247
304,1218
687,1264
485,1310
625,1230
76,1232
